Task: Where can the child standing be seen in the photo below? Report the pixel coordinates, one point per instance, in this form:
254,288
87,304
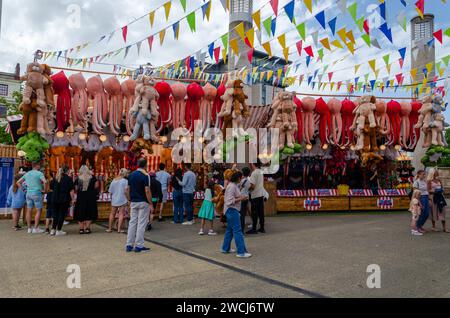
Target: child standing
207,210
415,210
16,200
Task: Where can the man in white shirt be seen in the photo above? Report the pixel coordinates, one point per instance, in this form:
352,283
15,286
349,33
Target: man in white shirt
257,194
164,178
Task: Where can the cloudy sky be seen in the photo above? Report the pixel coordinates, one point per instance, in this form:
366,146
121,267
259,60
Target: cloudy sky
53,25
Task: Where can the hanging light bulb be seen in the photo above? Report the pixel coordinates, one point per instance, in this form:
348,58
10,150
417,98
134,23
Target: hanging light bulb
325,147
309,147
60,134
398,147
21,153
126,138
103,138
82,136
163,139
352,148
383,147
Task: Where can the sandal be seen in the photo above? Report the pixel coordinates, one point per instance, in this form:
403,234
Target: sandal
82,232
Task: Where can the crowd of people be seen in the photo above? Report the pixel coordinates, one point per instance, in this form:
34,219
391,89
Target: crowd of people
135,197
427,199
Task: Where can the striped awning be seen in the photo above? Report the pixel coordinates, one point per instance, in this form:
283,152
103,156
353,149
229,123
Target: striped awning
259,117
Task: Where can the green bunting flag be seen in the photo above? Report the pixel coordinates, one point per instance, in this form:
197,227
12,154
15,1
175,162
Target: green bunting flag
301,28
183,4
225,41
191,21
268,25
353,10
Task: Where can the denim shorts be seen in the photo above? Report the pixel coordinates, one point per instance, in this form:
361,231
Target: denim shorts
35,200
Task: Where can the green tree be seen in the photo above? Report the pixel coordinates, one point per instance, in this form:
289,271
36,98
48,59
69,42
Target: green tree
11,109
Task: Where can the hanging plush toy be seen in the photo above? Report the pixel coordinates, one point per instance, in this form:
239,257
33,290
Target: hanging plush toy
241,98
79,100
309,104
365,111
284,109
382,117
34,147
165,104
217,106
325,121
227,107
207,105
413,120
335,106
34,83
393,110
64,102
128,91
405,133
96,92
195,94
45,115
179,105
347,111
299,115
114,91
424,120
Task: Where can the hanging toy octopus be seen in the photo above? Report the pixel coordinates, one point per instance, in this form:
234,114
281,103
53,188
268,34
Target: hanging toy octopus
413,120
325,121
393,111
309,104
217,106
299,115
405,130
207,105
165,104
382,118
128,88
64,102
335,106
348,107
79,100
114,91
195,94
179,105
96,92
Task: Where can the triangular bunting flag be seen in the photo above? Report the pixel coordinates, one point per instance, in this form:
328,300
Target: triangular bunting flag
321,18
301,28
191,19
290,9
257,18
332,24
274,4
167,7
125,33
267,48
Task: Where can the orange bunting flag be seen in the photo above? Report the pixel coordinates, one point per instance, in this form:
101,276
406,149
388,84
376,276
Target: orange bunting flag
162,34
167,7
235,46
326,43
268,48
257,19
342,34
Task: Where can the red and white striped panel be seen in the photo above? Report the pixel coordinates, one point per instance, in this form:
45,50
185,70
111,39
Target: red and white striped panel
197,196
259,117
153,163
385,203
105,197
322,192
393,192
361,193
291,193
312,204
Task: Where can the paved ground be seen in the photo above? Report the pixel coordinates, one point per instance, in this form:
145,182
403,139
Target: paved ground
301,256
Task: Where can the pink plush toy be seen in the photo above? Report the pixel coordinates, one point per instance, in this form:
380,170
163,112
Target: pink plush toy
347,110
195,94
393,111
405,130
79,100
335,106
207,105
382,118
217,106
165,104
96,92
64,102
128,88
413,120
114,91
299,115
309,104
179,104
325,121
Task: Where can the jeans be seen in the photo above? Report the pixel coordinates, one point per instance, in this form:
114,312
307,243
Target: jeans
258,213
244,207
59,214
424,200
188,199
139,217
178,213
234,229
35,200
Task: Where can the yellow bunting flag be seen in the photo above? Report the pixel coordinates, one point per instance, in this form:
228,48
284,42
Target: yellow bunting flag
224,56
413,73
342,34
308,4
372,64
388,68
251,36
286,54
234,46
377,72
351,47
152,18
326,43
357,68
351,37
441,72
257,19
337,44
268,48
241,30
280,73
269,75
429,67
162,34
167,7
282,40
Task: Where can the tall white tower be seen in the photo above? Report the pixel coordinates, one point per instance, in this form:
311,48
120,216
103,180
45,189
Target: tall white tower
240,12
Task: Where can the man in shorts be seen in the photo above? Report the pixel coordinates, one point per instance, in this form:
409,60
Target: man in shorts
164,178
35,182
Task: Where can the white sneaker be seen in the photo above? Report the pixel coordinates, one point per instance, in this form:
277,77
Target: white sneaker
250,226
188,223
212,233
52,232
38,231
66,223
30,231
201,233
246,255
61,233
416,233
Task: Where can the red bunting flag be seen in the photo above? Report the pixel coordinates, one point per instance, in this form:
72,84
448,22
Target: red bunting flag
366,26
309,51
217,54
400,61
399,78
438,35
299,47
188,64
124,33
150,42
250,55
274,4
330,76
420,7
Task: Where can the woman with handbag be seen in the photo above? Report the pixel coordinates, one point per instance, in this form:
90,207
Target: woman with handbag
437,198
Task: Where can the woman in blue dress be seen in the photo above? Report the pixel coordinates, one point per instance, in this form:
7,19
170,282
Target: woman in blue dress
207,211
16,200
